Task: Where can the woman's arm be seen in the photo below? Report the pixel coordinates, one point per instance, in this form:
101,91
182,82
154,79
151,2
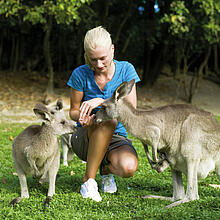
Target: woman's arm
80,111
75,102
132,97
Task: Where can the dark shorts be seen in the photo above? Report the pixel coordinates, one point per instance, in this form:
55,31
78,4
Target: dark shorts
79,142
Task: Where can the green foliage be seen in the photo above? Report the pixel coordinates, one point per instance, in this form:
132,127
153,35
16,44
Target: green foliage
211,19
34,15
67,203
145,39
178,18
63,11
186,19
9,7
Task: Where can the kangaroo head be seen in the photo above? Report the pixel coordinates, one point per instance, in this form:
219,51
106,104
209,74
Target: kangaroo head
55,118
110,108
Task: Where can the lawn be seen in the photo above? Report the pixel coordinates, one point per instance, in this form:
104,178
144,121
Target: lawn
125,204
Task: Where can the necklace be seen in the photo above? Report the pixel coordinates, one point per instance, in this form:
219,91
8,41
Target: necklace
102,78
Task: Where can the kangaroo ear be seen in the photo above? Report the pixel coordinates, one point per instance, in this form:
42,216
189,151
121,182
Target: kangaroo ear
41,112
123,90
59,104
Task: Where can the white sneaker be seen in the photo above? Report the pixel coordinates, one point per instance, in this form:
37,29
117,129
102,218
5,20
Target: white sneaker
108,184
89,189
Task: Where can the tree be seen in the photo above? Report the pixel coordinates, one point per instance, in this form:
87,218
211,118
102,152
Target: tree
46,13
194,30
47,37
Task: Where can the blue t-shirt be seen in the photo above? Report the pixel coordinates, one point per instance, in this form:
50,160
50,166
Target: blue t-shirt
83,80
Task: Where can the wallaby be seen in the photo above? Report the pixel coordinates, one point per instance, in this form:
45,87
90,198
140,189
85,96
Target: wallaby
36,151
188,137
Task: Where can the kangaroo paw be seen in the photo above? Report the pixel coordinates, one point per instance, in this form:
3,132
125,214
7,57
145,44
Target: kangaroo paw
177,203
43,180
15,201
47,201
157,197
65,164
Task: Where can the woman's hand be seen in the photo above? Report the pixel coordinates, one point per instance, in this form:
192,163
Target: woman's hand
86,120
85,110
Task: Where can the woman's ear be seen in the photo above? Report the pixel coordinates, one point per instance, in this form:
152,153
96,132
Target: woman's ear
113,50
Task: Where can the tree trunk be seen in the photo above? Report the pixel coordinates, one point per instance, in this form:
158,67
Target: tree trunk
1,51
178,60
194,85
103,11
12,52
157,67
60,51
122,23
159,61
22,58
186,66
79,55
16,55
47,54
125,46
185,70
146,66
216,60
68,62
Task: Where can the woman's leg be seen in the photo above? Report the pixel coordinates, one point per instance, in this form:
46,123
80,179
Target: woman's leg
123,162
99,140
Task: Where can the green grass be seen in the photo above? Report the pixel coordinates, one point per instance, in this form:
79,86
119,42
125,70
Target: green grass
125,204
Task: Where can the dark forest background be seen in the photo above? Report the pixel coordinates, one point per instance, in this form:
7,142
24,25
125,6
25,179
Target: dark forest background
172,37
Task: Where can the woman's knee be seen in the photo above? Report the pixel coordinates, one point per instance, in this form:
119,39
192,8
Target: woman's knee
129,167
123,161
126,167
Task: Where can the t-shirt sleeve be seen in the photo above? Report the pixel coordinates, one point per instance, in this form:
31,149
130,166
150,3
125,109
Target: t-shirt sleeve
131,73
76,80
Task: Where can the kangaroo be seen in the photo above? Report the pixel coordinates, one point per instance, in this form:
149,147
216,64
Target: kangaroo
36,151
65,139
188,137
66,146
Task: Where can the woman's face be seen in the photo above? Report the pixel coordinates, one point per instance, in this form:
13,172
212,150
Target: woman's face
101,58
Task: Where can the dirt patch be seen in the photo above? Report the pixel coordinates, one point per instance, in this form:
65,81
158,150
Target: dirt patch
19,94
168,91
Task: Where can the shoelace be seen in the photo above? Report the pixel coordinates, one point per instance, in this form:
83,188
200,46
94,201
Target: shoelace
90,186
107,181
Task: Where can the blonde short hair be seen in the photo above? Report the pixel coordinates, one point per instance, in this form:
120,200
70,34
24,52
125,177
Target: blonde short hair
95,37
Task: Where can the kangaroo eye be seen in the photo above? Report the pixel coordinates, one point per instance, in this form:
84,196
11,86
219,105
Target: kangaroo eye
52,112
63,122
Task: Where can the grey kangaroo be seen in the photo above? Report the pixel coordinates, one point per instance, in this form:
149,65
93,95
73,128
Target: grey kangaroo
66,146
65,140
36,151
187,137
